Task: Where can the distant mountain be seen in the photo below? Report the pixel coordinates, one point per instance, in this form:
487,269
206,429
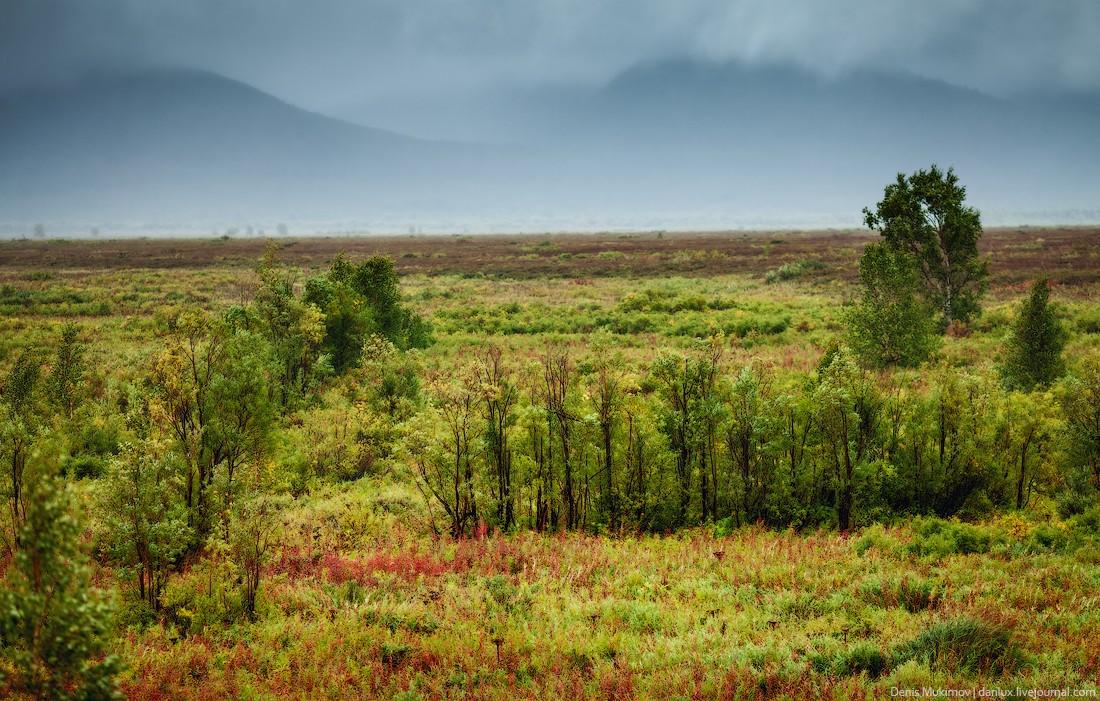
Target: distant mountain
793,137
679,143
181,144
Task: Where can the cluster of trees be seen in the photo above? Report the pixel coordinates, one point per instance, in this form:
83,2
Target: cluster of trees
588,442
687,440
926,277
182,456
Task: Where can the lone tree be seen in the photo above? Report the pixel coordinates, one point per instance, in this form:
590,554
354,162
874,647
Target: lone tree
924,216
892,323
1033,356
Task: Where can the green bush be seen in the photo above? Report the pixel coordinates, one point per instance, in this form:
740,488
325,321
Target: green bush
1087,523
1047,538
939,538
876,537
134,612
792,270
202,597
964,645
1033,352
1089,321
892,323
862,658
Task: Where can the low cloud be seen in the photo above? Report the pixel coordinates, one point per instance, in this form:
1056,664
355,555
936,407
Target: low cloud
329,52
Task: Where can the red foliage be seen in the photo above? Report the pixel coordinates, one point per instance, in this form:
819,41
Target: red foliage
617,685
425,661
337,568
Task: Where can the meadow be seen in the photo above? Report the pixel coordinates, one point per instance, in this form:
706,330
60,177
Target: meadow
599,466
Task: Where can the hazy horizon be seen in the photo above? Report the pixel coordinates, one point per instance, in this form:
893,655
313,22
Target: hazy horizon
468,117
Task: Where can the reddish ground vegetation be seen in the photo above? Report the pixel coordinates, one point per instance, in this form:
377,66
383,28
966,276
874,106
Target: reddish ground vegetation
1065,254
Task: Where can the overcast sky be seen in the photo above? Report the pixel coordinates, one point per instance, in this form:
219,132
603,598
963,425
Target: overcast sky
326,53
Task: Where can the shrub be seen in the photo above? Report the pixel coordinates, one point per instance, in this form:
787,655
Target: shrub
724,527
939,538
862,658
910,675
53,623
134,613
204,596
1088,522
1089,321
1033,353
891,324
964,645
792,270
876,537
1047,538
917,594
911,593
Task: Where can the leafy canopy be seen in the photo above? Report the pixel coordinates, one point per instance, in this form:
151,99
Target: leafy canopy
892,323
52,623
1033,353
359,301
924,216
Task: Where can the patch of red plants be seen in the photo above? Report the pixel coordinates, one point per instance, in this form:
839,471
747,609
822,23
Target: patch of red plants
337,568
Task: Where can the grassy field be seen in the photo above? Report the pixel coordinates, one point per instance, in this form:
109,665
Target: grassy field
694,616
360,599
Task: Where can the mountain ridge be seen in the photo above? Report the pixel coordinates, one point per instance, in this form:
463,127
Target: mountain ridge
185,145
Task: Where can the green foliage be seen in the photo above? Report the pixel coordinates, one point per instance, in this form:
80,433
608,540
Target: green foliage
1080,404
204,596
391,379
876,537
347,320
252,535
688,387
752,436
193,421
847,414
146,528
1033,353
924,216
793,270
964,645
293,331
938,538
891,324
338,443
20,384
911,593
20,427
864,658
215,389
65,381
52,623
93,441
360,300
